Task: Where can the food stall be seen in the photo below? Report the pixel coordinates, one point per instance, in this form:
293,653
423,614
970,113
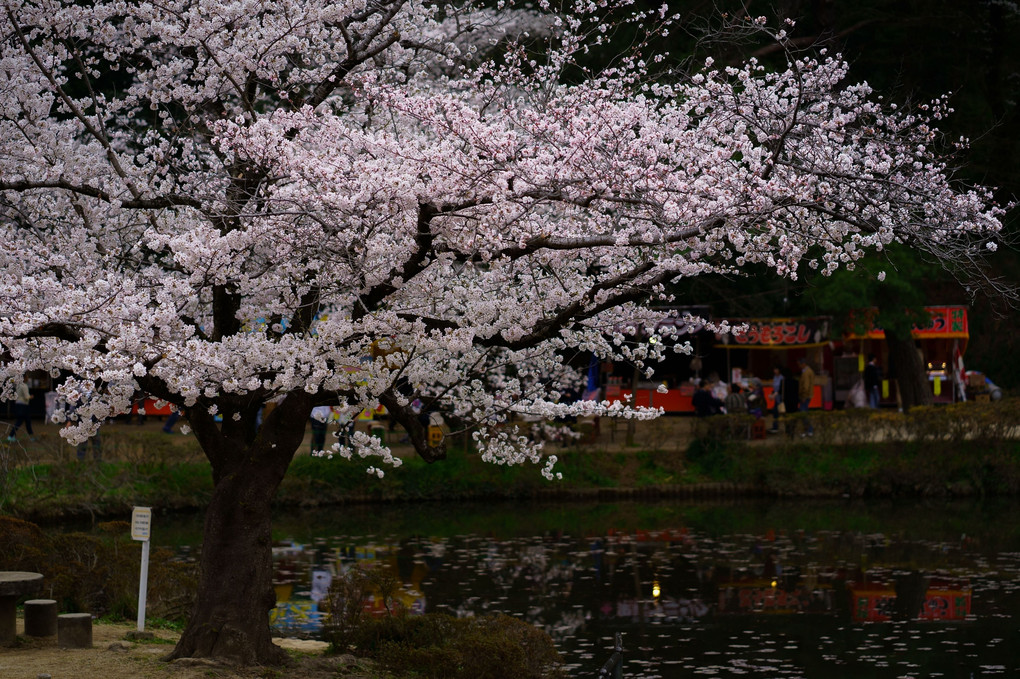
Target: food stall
673,386
942,343
766,343
736,357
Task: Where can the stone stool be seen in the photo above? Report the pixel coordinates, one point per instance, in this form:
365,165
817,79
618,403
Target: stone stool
41,618
74,630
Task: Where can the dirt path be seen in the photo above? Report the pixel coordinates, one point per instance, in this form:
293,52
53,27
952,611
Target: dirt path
114,657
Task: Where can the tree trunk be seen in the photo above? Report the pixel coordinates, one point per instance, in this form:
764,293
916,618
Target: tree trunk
230,619
908,368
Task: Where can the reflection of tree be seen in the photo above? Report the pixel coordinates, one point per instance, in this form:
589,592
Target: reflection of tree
565,585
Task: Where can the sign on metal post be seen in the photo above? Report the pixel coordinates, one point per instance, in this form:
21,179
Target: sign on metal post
141,523
141,526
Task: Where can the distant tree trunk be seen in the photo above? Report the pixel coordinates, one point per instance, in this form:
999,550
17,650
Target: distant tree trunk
909,370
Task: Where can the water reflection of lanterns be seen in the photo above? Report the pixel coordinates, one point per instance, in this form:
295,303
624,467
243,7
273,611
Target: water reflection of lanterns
656,590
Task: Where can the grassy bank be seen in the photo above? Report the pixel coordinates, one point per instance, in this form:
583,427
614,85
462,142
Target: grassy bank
962,450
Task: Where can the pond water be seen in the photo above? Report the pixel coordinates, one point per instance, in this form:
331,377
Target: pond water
758,589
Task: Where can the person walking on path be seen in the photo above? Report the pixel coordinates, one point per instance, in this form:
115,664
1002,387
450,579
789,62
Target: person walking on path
873,381
805,391
22,397
168,426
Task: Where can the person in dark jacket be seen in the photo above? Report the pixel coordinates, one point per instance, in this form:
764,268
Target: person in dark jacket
704,403
778,392
873,381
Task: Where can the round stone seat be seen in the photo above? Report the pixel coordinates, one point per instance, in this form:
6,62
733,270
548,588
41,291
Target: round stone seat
74,630
40,618
13,586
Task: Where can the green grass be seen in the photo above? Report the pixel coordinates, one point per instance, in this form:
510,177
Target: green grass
958,450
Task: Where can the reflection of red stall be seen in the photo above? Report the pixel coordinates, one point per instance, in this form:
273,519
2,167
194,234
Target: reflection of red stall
942,343
764,596
944,599
872,602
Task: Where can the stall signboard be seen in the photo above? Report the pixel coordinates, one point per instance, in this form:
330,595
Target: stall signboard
776,333
945,322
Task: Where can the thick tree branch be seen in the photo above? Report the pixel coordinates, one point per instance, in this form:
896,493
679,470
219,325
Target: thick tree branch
583,309
416,431
411,267
156,203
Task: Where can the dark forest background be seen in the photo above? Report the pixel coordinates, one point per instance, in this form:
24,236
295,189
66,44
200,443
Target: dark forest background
911,52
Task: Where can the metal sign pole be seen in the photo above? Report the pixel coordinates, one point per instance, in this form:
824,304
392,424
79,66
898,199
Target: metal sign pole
143,585
141,524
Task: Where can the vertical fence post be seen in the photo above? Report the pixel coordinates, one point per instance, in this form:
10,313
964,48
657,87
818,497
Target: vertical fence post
614,666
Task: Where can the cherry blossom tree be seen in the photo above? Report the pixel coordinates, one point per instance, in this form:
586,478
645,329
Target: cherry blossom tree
234,202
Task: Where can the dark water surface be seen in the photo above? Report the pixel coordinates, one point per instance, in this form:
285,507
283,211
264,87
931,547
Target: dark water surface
750,589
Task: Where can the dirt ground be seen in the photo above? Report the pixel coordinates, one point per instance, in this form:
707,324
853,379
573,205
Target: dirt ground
113,656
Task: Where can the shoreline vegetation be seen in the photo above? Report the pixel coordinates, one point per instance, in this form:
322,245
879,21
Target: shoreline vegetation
961,450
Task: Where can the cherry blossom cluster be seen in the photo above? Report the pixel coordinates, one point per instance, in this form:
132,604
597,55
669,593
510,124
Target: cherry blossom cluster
233,202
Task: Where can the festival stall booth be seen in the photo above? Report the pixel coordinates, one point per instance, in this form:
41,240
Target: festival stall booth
764,344
732,357
942,343
674,385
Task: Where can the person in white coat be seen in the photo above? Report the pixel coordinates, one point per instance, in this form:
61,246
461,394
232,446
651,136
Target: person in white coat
22,414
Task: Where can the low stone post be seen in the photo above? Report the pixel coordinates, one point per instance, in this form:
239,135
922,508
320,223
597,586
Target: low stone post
41,617
74,630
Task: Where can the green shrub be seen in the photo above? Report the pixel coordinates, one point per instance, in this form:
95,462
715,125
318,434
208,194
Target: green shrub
98,573
434,646
711,456
437,646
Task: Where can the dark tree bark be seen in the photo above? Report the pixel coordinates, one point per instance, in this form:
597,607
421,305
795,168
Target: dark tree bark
911,378
230,619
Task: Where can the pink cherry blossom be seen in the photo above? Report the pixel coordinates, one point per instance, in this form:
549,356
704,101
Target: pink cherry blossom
232,203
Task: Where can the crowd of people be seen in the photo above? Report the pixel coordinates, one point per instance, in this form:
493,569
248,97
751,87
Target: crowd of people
789,393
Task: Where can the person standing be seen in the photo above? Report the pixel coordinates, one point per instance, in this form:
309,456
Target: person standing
320,422
97,447
94,441
873,381
805,391
756,404
778,397
705,404
22,414
736,401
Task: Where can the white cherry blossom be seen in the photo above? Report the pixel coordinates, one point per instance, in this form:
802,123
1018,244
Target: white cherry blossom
232,203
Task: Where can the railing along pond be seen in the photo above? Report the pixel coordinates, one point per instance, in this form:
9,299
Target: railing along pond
614,666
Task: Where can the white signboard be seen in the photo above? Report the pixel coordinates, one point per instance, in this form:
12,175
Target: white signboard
141,526
141,523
